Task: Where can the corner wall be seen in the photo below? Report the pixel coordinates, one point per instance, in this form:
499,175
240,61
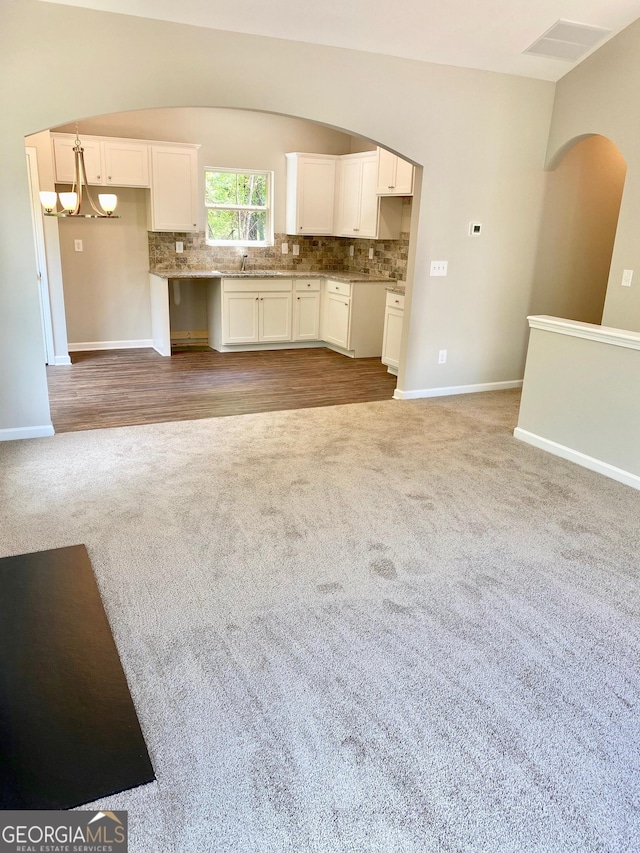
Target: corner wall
600,96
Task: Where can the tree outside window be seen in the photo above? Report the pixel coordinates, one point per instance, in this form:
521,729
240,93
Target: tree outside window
238,208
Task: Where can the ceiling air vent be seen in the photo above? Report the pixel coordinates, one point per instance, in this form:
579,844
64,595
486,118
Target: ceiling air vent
567,40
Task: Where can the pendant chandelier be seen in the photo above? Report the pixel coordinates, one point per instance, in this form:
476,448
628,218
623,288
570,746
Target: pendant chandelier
72,201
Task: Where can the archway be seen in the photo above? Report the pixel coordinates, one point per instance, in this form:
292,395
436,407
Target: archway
106,301
578,227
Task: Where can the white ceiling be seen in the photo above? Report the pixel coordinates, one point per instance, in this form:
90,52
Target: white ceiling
486,34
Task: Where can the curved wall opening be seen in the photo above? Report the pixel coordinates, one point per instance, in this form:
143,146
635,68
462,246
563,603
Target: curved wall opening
579,221
106,286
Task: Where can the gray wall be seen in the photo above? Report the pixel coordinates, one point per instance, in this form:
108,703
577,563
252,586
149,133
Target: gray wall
577,393
601,96
578,229
480,136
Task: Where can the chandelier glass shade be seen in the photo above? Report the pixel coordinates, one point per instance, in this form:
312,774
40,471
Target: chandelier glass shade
71,202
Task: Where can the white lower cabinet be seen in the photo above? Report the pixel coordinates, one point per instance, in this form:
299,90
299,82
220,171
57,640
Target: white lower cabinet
306,310
240,318
274,317
337,320
353,317
392,338
255,311
252,313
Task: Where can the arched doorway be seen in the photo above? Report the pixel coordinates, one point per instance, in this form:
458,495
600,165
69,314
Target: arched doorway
578,227
106,285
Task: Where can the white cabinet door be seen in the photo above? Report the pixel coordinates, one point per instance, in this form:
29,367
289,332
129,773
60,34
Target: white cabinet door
306,316
369,200
349,197
395,175
386,171
404,177
392,336
275,317
174,188
126,164
336,320
311,183
240,318
64,159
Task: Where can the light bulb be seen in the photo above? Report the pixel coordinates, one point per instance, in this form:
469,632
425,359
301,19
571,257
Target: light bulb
108,202
69,200
48,200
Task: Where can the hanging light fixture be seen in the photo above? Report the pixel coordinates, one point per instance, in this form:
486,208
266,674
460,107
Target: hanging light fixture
72,201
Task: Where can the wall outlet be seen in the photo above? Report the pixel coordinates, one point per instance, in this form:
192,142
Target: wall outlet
442,356
474,229
296,249
370,254
285,248
352,251
627,275
179,247
438,268
77,245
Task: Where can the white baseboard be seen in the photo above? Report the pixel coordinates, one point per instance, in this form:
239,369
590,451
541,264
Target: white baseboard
579,458
456,389
61,360
100,345
17,434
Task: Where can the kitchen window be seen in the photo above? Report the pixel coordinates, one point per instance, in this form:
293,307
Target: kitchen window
238,205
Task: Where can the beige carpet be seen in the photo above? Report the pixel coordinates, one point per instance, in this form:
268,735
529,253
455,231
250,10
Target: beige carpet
380,627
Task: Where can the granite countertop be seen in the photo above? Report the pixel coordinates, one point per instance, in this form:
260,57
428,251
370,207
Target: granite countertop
333,274
396,287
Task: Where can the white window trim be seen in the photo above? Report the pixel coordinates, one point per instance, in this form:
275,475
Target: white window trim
269,209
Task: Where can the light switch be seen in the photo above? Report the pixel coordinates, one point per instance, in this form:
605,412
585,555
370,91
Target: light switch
370,254
438,268
296,249
627,275
352,251
179,247
285,248
77,245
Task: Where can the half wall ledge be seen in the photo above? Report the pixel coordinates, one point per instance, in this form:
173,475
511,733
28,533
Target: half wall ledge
580,396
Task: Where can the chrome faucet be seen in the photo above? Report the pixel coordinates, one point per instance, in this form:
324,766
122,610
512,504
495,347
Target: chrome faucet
244,262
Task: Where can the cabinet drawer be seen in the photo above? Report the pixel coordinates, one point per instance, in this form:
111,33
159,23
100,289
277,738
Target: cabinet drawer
395,300
341,287
251,284
307,284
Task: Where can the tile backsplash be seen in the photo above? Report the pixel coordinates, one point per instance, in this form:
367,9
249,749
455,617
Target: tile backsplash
317,254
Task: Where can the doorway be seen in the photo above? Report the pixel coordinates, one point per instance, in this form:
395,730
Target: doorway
578,228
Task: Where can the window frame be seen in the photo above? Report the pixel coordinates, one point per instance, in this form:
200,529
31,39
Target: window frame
269,234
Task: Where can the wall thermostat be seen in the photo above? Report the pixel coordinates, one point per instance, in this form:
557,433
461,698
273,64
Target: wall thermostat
474,228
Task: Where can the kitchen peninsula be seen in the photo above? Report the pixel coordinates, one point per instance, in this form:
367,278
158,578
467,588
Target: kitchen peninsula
272,309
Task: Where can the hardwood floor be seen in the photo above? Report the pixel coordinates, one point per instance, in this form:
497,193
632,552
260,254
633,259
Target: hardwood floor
126,387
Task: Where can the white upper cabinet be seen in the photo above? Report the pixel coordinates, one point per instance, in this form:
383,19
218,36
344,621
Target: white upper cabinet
311,182
63,145
360,212
170,170
115,162
126,163
395,175
174,188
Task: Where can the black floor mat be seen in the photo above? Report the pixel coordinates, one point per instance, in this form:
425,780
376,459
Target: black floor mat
69,733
